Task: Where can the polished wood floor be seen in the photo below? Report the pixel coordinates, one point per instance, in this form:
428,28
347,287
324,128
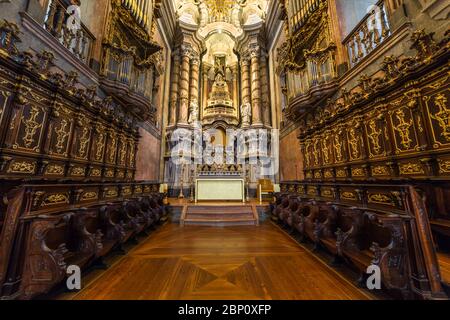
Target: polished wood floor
242,262
444,264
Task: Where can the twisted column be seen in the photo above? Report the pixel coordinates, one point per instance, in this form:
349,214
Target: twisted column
184,86
174,89
194,79
245,71
256,87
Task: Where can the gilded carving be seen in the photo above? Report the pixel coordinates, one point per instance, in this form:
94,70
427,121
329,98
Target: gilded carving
411,168
354,144
31,126
325,150
22,167
56,198
111,193
340,173
347,195
90,195
100,146
379,198
112,148
338,147
374,136
109,173
84,140
95,172
444,166
78,171
55,169
316,152
403,128
126,191
442,116
122,152
357,172
61,135
380,171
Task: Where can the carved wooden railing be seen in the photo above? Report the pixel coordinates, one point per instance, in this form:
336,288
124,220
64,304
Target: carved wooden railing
48,227
78,41
369,34
367,224
301,11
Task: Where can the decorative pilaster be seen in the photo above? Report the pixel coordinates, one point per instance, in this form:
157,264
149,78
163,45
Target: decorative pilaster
205,71
184,85
174,89
265,96
234,70
256,86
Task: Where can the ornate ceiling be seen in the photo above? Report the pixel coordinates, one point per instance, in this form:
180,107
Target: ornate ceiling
236,12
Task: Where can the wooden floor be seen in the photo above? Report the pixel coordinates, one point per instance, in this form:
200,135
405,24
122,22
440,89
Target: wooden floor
242,262
444,264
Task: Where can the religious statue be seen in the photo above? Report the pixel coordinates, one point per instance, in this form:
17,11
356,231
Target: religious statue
246,113
193,114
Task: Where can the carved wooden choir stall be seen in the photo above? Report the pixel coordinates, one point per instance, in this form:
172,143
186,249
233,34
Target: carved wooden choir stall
67,164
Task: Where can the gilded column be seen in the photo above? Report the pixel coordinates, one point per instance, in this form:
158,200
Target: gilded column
256,87
265,97
174,89
245,108
184,86
194,88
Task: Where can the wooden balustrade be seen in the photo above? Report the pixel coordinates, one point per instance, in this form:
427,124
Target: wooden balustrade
368,35
367,224
79,42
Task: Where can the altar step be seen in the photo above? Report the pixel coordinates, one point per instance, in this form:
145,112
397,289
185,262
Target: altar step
224,215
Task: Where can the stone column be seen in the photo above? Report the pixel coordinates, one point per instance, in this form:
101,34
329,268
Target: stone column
256,87
193,88
184,85
265,96
174,89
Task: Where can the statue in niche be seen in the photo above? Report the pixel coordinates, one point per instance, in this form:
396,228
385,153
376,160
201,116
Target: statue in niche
246,113
204,14
194,112
236,14
219,65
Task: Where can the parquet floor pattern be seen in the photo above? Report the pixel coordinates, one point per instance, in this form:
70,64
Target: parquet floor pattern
242,262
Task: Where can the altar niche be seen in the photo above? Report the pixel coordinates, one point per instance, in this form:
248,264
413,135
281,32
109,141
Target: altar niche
220,81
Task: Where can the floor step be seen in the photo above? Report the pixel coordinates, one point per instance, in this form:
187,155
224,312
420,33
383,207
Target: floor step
219,215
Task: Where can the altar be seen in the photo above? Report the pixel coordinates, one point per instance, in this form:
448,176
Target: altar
219,183
219,189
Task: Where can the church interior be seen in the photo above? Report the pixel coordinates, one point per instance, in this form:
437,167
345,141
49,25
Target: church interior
224,150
